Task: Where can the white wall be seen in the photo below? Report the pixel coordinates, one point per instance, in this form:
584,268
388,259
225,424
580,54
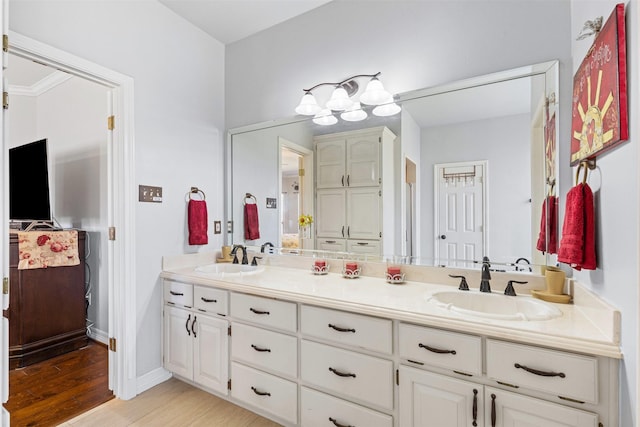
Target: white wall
616,188
179,95
22,120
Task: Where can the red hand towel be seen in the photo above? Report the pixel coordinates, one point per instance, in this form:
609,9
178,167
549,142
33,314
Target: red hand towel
197,219
251,226
548,237
577,246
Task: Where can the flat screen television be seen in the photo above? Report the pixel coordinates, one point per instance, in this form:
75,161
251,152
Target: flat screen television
29,196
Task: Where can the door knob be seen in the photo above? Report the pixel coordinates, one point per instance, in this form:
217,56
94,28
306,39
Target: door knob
443,236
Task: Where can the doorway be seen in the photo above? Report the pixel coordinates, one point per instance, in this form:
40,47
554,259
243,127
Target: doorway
118,260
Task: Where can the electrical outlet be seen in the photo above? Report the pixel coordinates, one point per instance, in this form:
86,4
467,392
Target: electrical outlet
217,227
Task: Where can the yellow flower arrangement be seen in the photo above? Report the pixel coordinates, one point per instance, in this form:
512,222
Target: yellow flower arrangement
305,220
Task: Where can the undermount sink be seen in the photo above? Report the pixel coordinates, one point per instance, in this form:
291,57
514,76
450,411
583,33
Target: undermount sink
230,270
494,305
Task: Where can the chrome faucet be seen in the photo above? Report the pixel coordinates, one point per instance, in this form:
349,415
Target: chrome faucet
486,276
234,251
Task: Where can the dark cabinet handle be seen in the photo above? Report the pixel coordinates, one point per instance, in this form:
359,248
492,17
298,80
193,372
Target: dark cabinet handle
208,300
260,393
343,231
342,374
493,410
541,373
330,241
436,350
348,180
193,326
259,311
337,424
475,407
349,231
186,325
363,243
342,180
256,348
339,329
179,294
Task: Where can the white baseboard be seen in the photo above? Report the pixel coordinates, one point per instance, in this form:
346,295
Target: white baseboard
100,336
151,379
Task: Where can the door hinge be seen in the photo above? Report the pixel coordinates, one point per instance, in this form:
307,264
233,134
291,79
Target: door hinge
397,376
112,233
380,193
5,100
5,285
229,384
5,43
112,344
229,330
380,234
379,139
300,172
111,122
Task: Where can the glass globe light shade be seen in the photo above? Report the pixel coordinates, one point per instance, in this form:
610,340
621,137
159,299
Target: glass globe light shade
325,118
375,94
308,105
339,100
355,113
388,108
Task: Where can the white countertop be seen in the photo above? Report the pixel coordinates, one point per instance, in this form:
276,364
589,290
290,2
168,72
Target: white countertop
588,325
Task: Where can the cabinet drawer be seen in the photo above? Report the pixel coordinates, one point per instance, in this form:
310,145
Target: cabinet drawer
211,300
178,293
265,349
264,311
561,374
266,392
444,349
357,376
319,409
351,329
369,247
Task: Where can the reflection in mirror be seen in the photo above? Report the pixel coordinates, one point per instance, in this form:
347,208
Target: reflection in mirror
471,163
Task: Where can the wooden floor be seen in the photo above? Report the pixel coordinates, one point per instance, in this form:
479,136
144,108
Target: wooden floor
51,392
172,403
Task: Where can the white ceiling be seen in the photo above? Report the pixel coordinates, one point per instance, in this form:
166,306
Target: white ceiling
231,20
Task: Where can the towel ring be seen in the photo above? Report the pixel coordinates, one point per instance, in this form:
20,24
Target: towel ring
195,190
587,164
251,197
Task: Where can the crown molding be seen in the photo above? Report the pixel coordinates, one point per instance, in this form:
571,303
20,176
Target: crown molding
42,86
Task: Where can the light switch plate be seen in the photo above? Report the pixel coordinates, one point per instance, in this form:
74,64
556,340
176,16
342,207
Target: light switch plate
148,193
217,227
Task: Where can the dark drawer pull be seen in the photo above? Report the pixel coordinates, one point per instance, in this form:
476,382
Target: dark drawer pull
330,241
342,374
493,410
337,424
193,326
363,243
208,300
260,393
178,294
436,350
339,329
186,325
475,408
541,373
258,311
256,348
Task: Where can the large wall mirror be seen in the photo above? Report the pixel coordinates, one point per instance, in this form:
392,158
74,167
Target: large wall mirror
491,137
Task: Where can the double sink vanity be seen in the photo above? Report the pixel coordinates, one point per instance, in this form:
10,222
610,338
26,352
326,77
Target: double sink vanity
321,350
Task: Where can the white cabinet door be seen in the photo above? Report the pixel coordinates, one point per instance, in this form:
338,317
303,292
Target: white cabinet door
363,161
331,160
506,409
363,213
432,400
178,341
211,352
331,213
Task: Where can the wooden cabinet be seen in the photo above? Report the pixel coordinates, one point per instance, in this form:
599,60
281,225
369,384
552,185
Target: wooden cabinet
47,308
196,345
354,172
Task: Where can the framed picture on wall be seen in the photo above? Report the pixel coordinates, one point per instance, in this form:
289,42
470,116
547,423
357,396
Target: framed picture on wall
599,111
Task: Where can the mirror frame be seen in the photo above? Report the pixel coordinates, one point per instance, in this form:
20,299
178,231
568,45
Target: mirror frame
550,69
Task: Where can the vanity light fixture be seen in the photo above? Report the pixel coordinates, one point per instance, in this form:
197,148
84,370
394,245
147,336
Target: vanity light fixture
341,100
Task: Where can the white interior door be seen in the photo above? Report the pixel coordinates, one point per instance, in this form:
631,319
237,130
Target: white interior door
460,200
4,229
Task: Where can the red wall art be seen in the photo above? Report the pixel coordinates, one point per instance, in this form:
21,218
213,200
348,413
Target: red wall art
599,111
